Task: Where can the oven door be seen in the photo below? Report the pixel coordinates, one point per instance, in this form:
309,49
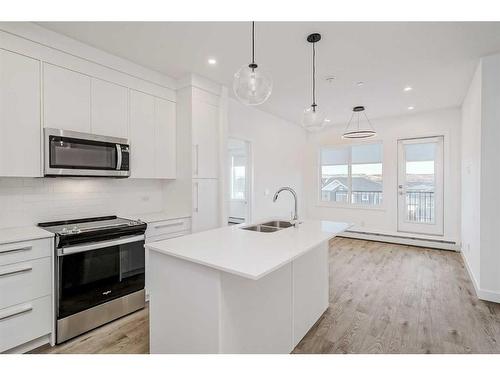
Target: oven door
71,153
91,274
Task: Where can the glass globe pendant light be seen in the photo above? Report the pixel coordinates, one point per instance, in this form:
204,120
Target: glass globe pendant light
354,130
312,118
252,86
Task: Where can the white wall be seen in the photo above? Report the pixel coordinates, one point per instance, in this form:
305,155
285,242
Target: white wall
471,171
28,201
384,219
277,158
490,176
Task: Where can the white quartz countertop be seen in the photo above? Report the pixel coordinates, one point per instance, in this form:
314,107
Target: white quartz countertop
9,235
247,253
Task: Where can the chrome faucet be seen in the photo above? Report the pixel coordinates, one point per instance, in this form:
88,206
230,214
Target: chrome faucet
295,219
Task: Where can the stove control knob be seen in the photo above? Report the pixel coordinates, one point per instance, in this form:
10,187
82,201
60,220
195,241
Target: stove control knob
64,230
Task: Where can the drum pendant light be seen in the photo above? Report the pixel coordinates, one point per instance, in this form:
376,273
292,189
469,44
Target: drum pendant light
354,130
313,119
251,84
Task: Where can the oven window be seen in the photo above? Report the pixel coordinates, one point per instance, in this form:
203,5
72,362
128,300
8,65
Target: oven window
89,278
81,154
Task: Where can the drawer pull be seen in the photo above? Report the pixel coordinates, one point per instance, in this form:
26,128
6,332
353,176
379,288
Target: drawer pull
168,225
14,270
17,311
25,248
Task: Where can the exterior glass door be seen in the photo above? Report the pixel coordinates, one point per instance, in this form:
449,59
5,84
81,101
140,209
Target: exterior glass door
420,185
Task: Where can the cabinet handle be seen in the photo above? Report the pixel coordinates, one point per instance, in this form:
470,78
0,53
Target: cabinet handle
168,225
14,270
16,249
17,311
196,184
196,159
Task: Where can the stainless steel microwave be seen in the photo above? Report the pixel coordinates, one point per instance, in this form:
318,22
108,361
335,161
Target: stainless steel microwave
70,153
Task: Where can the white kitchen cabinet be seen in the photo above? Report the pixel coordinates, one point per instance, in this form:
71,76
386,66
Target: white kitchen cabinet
205,204
142,135
19,115
66,98
165,139
205,135
152,136
109,114
26,300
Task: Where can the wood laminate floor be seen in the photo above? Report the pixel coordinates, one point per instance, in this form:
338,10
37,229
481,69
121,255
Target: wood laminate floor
384,298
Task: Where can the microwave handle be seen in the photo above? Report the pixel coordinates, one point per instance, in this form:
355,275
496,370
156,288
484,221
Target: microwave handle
118,157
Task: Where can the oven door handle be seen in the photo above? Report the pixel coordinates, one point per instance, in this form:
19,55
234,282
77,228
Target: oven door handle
98,245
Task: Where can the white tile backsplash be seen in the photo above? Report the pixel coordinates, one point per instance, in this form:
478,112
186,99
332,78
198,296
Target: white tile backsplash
28,201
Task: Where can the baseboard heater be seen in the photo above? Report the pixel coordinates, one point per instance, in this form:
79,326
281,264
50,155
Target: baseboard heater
416,241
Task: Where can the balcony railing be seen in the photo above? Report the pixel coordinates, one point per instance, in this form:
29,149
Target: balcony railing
420,206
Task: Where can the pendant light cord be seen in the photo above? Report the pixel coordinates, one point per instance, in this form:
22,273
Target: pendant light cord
253,42
314,77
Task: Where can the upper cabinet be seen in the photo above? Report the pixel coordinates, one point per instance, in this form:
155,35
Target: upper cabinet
109,109
165,138
66,97
205,120
152,136
142,135
19,115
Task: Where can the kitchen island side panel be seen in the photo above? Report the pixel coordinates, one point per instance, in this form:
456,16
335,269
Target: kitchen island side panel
184,306
257,314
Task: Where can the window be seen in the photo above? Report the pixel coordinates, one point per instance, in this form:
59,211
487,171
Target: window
352,174
238,180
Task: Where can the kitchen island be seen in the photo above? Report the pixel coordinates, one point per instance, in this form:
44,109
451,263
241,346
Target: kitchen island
232,290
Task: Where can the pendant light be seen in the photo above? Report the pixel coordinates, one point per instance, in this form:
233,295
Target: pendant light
354,130
252,86
313,119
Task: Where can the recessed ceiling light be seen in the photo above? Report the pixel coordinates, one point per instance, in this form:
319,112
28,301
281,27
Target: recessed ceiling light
408,88
411,108
212,61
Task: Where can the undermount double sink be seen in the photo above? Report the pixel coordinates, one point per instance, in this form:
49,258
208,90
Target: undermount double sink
269,227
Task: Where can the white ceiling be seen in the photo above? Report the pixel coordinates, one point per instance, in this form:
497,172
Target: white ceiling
436,59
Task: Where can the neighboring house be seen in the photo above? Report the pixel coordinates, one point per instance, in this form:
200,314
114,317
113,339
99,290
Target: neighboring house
364,190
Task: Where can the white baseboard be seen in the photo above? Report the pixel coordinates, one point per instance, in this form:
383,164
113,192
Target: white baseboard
483,294
402,239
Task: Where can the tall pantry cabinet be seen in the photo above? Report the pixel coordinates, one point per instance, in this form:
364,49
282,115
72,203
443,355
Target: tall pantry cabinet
201,117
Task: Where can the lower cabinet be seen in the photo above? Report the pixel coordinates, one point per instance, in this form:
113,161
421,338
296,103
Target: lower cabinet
26,307
205,204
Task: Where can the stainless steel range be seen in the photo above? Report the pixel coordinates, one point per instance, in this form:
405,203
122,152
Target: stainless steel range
99,272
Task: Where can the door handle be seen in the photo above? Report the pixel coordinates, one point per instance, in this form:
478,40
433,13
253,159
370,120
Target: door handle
14,270
196,184
17,311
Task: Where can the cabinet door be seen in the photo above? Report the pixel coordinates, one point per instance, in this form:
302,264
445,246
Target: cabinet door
142,135
109,109
205,204
66,98
165,139
20,129
205,140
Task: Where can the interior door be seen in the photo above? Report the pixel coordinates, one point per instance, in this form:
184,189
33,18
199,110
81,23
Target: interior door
239,193
420,185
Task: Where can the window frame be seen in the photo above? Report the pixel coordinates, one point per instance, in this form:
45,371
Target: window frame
322,203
